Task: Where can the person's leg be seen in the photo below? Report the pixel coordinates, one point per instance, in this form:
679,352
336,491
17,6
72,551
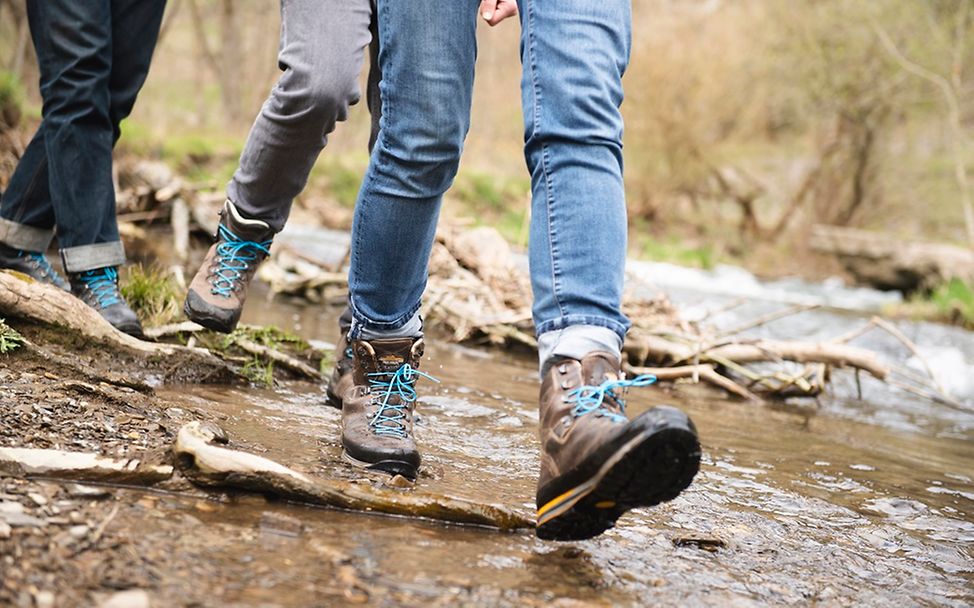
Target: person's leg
427,54
427,51
341,376
26,212
73,43
124,34
323,45
571,95
595,463
135,30
322,49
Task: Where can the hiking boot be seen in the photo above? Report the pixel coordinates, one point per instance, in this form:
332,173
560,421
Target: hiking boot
342,378
99,289
218,291
377,411
596,464
33,264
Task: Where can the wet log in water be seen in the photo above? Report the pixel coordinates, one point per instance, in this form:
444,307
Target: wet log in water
208,464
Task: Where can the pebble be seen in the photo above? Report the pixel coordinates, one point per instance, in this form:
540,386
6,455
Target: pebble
133,598
78,490
39,499
4,530
44,599
78,531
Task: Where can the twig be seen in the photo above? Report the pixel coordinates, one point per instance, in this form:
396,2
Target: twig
727,307
896,333
278,357
172,329
703,372
768,318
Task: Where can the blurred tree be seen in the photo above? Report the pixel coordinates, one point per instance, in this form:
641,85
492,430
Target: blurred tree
951,24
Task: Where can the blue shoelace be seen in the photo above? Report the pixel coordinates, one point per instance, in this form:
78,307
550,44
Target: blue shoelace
103,283
388,420
234,256
47,271
591,399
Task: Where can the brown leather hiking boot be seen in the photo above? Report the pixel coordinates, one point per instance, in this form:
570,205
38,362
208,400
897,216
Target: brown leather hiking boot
377,411
342,378
218,291
596,464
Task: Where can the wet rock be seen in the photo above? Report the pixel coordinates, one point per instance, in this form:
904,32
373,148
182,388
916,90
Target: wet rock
78,532
44,599
77,490
39,499
133,598
13,514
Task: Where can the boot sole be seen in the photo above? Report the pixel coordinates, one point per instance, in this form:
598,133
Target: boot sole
207,321
392,467
653,467
133,330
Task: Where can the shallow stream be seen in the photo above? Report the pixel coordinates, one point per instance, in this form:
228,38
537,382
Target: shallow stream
840,501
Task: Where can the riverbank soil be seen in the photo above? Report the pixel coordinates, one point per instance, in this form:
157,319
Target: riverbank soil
847,503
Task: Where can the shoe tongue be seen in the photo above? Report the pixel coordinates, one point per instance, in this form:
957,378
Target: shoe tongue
599,367
245,229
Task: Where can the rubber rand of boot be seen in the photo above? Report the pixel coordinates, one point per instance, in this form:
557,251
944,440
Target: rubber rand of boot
651,461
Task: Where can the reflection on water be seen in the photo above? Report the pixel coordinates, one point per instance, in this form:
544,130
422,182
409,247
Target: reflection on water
842,503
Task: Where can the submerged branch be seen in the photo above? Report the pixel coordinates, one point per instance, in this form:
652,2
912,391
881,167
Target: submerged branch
211,465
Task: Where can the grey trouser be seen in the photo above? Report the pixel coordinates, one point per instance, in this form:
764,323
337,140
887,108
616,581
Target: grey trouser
323,43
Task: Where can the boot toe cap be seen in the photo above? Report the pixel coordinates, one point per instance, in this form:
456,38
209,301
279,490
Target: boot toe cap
210,315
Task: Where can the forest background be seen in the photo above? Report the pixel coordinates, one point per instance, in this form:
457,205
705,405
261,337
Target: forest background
747,121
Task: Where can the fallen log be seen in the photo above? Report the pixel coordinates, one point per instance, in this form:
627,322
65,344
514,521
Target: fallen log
207,464
890,263
80,466
21,297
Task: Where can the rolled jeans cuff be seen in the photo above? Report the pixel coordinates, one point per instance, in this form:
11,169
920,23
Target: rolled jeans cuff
22,236
90,257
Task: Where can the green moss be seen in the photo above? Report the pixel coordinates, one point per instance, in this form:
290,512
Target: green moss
267,335
675,251
10,338
153,294
952,303
259,372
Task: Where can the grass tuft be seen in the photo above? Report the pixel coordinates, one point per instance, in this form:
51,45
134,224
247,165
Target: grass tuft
153,294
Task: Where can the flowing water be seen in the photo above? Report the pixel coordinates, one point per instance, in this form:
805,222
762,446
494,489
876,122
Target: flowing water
843,501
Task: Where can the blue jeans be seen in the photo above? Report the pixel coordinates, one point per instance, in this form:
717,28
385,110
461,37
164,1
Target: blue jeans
93,58
574,53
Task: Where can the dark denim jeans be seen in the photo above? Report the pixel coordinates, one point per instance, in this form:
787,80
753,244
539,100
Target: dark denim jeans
93,57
